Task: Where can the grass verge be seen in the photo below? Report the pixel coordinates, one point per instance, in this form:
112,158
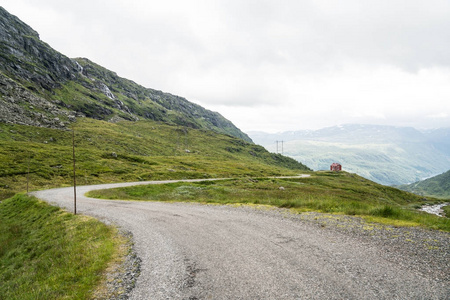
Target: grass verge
47,253
328,192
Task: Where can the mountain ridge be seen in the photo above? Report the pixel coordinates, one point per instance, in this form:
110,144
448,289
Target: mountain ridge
79,87
390,155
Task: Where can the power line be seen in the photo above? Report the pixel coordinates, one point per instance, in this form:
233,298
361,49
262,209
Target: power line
282,146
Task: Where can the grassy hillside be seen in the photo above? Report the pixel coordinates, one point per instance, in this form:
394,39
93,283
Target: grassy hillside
46,253
127,151
328,192
437,186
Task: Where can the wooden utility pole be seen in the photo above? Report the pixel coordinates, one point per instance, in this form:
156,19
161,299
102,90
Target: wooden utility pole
186,141
177,131
74,176
28,171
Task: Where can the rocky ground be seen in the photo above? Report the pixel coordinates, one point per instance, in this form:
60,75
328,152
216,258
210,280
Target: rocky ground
20,106
120,278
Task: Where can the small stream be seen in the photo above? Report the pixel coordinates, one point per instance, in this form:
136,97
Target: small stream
434,209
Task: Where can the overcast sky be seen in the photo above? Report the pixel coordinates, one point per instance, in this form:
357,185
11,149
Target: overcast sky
268,65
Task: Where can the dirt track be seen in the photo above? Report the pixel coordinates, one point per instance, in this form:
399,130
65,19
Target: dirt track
194,251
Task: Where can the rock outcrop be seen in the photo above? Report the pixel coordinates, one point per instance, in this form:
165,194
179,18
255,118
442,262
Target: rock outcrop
29,60
20,106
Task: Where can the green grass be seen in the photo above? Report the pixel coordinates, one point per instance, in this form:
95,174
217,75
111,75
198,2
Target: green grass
145,150
437,186
46,253
324,192
447,211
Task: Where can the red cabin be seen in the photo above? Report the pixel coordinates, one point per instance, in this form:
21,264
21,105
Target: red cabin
335,167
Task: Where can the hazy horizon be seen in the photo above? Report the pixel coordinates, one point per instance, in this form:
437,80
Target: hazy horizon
346,124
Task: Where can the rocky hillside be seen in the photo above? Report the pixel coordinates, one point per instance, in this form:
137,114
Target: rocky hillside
42,87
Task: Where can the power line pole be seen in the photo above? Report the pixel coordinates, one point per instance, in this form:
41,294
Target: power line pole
74,176
186,139
28,171
177,146
282,146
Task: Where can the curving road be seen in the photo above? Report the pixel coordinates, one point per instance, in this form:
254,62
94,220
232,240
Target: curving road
194,251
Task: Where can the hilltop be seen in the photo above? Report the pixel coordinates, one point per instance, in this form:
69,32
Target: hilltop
42,87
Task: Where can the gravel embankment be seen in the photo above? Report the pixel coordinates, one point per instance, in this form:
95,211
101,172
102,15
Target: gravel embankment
193,251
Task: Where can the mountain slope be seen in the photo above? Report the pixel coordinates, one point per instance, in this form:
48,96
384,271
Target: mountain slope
440,139
437,186
127,151
123,131
42,77
385,154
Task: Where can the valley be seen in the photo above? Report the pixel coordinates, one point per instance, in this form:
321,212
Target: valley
188,206
437,186
385,154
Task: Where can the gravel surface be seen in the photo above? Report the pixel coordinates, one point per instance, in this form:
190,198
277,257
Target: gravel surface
120,277
195,251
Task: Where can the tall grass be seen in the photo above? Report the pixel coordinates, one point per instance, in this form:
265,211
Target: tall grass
46,253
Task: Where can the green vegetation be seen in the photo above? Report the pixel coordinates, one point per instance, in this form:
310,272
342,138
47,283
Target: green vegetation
127,151
328,192
46,253
447,211
437,186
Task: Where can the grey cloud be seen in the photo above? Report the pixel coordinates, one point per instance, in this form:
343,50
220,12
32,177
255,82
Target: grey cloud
408,34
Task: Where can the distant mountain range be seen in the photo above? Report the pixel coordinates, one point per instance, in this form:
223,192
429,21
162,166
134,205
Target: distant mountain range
385,154
437,186
42,87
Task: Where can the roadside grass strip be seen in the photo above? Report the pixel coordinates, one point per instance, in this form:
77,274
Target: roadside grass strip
47,253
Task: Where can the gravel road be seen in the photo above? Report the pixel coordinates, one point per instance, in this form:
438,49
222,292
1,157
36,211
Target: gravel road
195,251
